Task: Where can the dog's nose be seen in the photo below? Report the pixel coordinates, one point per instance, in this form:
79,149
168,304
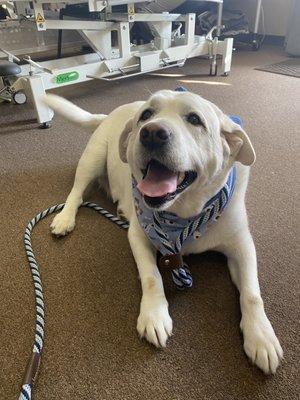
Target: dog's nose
153,136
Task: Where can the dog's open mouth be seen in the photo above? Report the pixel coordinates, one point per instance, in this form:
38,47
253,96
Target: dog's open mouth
160,184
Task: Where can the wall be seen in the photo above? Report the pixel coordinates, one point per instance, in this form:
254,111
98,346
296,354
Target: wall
277,13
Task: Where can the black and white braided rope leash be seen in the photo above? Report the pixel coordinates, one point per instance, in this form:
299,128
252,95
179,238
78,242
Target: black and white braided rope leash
34,362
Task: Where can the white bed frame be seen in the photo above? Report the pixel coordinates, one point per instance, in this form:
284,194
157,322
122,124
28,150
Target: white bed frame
169,48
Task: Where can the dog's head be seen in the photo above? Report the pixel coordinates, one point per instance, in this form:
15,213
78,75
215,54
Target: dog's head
178,140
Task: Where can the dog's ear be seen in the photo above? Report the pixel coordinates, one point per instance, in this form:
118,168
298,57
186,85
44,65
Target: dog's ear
238,141
123,141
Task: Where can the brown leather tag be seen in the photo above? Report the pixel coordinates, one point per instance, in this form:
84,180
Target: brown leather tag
32,368
171,261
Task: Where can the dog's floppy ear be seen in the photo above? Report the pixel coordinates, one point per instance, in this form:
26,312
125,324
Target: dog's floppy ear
123,141
238,141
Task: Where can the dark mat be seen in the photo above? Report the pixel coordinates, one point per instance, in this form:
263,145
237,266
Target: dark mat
290,67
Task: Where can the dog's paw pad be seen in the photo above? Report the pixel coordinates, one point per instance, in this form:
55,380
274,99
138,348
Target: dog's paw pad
155,324
262,346
62,224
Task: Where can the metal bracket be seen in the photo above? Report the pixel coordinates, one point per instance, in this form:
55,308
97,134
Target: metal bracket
209,35
11,57
124,75
36,65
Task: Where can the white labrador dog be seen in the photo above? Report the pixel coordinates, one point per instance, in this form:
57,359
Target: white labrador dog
158,142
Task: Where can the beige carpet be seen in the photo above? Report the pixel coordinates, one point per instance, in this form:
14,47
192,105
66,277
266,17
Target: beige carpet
90,281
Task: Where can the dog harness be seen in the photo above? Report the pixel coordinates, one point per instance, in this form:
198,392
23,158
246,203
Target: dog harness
168,233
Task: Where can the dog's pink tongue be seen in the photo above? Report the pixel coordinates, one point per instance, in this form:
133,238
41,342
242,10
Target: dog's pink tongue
159,181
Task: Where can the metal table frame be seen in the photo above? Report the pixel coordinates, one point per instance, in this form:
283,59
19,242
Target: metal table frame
110,63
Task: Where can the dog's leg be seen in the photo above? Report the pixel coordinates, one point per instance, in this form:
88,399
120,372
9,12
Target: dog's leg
90,166
260,342
154,322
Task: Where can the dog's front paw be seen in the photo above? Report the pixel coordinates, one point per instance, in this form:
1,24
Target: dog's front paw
154,322
62,224
261,344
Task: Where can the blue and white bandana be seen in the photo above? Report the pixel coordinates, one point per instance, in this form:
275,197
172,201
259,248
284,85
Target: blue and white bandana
168,233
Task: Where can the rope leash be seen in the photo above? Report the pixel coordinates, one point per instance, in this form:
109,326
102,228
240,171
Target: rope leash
180,276
34,362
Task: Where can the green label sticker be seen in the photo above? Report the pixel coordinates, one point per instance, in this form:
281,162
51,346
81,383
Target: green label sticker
67,77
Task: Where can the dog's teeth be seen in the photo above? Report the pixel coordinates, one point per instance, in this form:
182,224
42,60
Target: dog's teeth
180,177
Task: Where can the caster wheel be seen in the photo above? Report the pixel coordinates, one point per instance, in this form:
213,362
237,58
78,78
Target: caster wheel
226,74
19,97
255,45
45,125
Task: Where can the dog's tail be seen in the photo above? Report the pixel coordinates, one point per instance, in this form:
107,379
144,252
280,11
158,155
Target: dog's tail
72,112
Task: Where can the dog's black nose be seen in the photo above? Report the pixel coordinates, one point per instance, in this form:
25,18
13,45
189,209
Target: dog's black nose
153,136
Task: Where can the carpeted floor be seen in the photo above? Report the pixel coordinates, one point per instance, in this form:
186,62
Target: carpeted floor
91,286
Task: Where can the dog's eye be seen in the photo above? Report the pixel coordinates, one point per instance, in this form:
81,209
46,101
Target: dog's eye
194,119
146,114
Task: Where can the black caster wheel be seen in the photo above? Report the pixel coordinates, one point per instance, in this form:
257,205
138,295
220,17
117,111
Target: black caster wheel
45,125
19,97
255,45
226,74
